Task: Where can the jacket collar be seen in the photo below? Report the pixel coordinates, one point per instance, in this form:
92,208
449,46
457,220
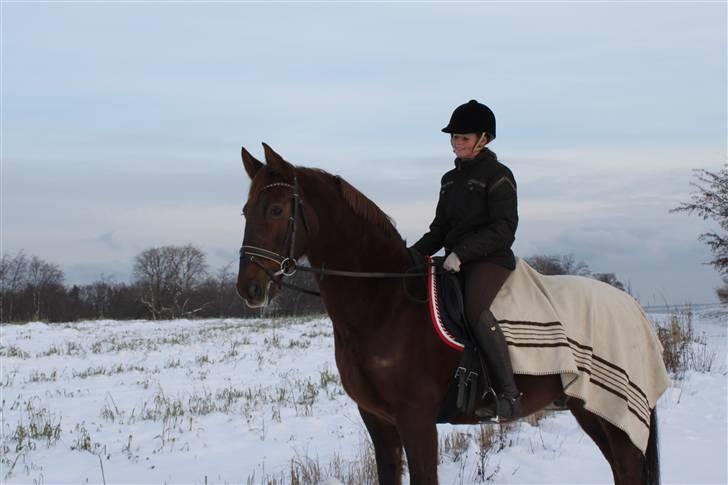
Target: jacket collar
484,155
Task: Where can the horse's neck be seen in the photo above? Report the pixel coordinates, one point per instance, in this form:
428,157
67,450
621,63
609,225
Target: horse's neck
350,249
344,242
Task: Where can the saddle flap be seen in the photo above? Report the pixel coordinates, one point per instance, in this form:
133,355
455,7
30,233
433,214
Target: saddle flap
446,301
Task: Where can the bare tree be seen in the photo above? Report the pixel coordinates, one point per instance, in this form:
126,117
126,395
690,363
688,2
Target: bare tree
98,296
13,271
13,278
610,279
191,269
555,264
169,276
151,275
292,302
723,291
710,201
225,290
42,277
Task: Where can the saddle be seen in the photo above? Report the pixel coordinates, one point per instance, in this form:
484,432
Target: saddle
471,382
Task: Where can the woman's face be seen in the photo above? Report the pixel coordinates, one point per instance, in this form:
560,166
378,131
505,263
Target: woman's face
464,145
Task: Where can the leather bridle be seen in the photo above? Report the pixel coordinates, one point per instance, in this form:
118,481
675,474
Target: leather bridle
288,264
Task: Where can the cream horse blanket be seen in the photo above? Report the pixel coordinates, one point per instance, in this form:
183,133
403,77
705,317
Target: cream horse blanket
595,336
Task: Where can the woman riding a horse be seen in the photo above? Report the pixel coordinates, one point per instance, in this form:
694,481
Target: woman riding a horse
400,383
476,220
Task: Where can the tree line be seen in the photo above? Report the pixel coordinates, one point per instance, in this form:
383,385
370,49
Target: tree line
168,282
172,282
176,281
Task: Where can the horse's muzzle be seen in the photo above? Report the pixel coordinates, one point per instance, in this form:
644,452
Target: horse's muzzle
254,294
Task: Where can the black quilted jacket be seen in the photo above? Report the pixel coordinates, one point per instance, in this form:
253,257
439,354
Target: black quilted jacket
477,213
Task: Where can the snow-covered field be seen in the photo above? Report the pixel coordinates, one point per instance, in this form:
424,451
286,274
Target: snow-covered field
237,401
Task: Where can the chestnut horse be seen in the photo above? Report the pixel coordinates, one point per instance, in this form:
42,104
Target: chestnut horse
391,362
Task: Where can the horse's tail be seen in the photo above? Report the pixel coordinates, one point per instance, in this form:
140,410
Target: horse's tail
651,461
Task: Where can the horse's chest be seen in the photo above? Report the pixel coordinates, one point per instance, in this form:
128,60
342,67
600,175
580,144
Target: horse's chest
366,377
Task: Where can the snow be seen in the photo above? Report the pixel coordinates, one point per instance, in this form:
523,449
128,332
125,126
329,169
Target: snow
235,401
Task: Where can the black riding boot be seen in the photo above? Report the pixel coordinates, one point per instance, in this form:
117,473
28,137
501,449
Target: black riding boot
492,343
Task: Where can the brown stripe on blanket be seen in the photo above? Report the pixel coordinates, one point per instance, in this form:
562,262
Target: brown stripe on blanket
531,328
585,347
548,334
632,396
536,331
622,385
615,367
588,356
518,344
526,334
581,353
606,362
536,324
596,318
607,388
629,387
531,337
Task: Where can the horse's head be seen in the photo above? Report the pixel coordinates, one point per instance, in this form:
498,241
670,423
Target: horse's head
276,229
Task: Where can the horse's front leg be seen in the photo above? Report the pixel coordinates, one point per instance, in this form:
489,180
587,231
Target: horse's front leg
387,448
419,437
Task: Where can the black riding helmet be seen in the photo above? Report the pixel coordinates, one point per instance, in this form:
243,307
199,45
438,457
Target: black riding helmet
472,117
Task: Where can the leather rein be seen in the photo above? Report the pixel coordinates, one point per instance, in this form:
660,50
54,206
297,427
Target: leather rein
288,266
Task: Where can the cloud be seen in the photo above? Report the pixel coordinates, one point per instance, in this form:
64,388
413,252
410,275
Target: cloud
107,239
124,131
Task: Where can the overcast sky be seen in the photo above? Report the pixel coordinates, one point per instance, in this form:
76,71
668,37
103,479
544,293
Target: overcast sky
122,122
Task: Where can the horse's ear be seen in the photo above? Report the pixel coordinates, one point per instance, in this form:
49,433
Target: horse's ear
277,163
250,163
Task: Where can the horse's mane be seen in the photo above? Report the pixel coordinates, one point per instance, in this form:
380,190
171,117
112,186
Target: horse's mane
359,203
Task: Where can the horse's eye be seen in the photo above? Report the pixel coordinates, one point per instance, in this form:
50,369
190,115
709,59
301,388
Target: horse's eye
277,211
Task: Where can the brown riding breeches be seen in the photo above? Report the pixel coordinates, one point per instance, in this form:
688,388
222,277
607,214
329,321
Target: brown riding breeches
481,282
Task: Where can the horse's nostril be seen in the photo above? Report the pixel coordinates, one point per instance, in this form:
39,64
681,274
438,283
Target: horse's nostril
255,291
